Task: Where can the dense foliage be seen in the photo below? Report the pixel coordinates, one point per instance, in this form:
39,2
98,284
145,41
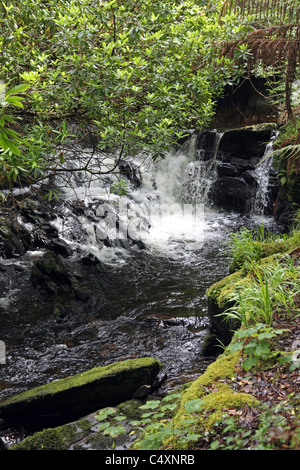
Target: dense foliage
127,76
131,74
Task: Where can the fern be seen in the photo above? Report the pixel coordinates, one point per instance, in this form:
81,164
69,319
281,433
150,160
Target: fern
274,41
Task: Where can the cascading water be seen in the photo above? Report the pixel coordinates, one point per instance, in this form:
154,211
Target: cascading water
262,175
167,208
144,261
200,173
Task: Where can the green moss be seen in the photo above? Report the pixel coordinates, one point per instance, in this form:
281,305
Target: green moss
281,246
80,434
256,251
220,292
81,379
130,409
49,439
84,424
223,367
215,394
215,404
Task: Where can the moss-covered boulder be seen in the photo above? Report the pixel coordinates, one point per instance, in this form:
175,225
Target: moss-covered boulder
82,393
219,297
85,433
222,294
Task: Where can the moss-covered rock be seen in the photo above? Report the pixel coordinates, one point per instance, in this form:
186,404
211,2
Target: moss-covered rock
59,438
219,293
83,393
220,296
84,434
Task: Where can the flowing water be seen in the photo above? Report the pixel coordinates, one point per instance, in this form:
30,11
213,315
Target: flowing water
157,250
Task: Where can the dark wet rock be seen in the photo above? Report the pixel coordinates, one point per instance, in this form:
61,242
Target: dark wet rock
235,154
244,103
250,177
211,345
245,143
15,240
60,247
243,165
84,433
227,169
82,393
206,145
132,173
51,272
142,392
231,193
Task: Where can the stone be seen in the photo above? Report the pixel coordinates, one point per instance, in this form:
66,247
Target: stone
142,391
250,177
132,173
15,240
84,433
227,169
206,145
51,273
244,103
83,393
231,193
245,143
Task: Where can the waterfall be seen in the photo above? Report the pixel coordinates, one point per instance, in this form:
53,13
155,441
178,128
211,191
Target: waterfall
166,212
173,219
200,173
262,176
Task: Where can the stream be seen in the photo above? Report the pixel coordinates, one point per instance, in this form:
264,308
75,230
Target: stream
145,293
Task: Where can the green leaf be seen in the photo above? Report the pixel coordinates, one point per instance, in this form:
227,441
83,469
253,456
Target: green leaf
103,426
5,118
235,347
136,423
115,431
15,101
103,414
262,348
171,397
120,418
249,363
146,415
170,406
195,405
18,89
150,405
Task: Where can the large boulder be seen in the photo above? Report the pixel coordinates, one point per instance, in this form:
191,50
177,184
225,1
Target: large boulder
84,393
245,143
231,193
238,156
